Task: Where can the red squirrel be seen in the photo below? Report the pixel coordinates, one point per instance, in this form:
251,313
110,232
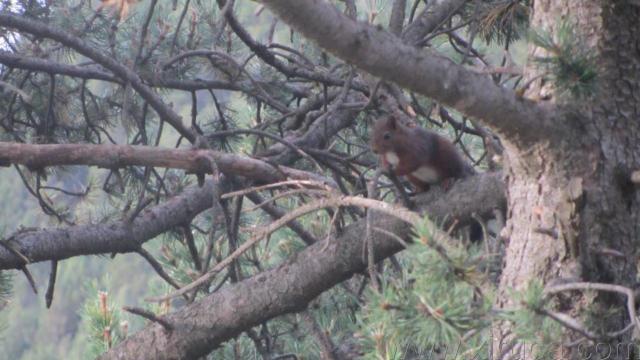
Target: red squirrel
423,156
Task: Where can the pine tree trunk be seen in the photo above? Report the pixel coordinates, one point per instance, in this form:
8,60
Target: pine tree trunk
574,214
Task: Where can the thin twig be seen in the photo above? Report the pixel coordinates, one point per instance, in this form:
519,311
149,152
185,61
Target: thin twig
52,283
368,248
568,322
323,339
143,32
157,267
273,185
403,193
327,239
286,143
193,250
143,203
25,97
32,282
631,300
285,194
175,35
149,316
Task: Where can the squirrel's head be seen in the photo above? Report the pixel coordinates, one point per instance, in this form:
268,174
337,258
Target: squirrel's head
386,132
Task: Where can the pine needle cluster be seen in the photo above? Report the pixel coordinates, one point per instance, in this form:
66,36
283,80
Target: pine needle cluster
439,306
102,322
498,21
570,64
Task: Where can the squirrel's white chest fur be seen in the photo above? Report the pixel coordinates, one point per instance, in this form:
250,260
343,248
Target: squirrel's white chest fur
427,174
424,173
392,158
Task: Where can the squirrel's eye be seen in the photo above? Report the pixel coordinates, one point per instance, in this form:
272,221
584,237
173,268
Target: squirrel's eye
386,136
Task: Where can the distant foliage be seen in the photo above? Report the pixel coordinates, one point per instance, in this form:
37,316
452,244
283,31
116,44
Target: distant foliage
6,284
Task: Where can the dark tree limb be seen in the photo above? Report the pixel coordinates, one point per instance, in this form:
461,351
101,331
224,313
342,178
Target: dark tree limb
149,316
116,156
396,20
43,65
119,236
115,237
155,264
48,297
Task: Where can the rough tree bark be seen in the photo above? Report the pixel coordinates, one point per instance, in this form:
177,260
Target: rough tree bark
579,188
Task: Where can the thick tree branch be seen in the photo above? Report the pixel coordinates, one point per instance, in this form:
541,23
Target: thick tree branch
204,325
31,26
118,236
114,237
116,156
518,120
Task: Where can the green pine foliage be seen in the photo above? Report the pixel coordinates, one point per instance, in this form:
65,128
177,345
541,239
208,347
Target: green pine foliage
440,307
102,323
498,21
440,304
538,332
569,63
